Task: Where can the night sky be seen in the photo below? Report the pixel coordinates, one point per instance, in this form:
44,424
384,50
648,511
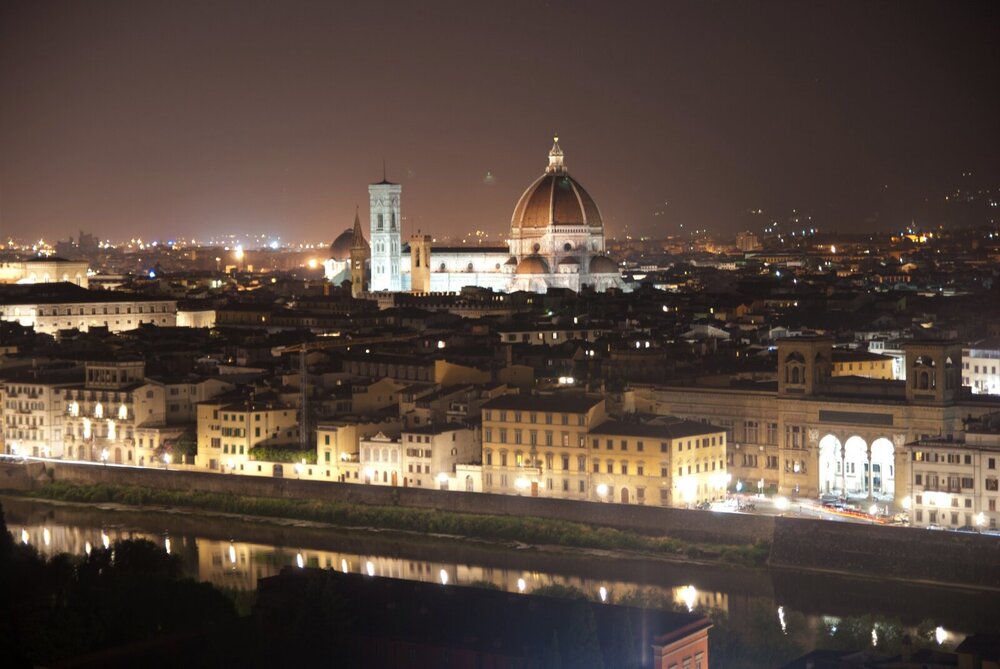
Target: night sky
174,118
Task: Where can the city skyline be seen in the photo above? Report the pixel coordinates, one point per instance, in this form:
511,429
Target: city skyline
209,121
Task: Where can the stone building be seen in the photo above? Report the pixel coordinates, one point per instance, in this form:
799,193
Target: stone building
49,308
556,240
953,483
812,433
229,430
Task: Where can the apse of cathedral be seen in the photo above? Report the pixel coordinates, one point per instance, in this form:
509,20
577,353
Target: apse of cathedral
556,241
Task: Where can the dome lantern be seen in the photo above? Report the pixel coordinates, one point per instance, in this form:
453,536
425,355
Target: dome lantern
556,165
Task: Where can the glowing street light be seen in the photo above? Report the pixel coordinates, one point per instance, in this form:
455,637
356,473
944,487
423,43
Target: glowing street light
166,460
602,490
104,456
521,483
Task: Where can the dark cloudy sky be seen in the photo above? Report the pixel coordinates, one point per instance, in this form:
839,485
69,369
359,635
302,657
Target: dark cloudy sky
177,118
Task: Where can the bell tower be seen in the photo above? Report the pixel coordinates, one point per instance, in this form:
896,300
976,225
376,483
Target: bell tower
804,364
359,258
420,263
386,243
933,371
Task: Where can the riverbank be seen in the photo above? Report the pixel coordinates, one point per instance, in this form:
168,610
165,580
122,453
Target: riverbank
954,559
524,532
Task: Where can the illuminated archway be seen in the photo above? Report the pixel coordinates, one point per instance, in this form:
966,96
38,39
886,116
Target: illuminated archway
831,462
883,467
856,466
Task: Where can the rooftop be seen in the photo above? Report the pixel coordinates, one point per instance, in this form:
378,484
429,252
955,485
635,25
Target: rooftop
666,427
560,403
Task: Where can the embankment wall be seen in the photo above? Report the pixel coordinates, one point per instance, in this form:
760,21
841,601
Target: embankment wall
797,543
680,523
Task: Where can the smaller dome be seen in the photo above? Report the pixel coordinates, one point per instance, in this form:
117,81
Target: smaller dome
570,260
533,265
603,265
340,249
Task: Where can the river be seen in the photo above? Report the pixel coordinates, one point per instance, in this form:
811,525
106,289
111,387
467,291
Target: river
772,607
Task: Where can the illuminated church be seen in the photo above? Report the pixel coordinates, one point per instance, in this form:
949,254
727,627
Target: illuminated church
556,241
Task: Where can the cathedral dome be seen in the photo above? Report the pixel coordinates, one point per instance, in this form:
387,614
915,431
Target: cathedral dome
603,265
555,199
533,265
340,249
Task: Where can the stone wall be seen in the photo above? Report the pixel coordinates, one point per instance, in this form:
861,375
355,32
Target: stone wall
915,554
932,556
680,523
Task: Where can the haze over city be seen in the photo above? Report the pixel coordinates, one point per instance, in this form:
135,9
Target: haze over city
520,334
192,119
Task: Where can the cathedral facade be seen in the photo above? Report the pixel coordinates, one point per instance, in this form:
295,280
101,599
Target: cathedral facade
556,241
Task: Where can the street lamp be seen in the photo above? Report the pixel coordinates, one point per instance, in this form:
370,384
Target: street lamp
980,520
104,456
521,484
602,491
166,460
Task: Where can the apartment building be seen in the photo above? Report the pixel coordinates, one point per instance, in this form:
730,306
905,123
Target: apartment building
338,444
666,462
955,483
522,434
32,408
101,413
981,366
432,453
229,431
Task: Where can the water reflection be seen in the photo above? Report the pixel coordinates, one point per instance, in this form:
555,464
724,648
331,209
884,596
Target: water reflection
789,611
239,565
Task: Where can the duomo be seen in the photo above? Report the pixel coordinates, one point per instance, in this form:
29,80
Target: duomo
556,241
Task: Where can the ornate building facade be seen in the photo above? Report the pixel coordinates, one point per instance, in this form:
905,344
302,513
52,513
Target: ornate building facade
556,241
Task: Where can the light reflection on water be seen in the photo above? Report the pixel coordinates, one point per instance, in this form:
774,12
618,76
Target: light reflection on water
239,565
